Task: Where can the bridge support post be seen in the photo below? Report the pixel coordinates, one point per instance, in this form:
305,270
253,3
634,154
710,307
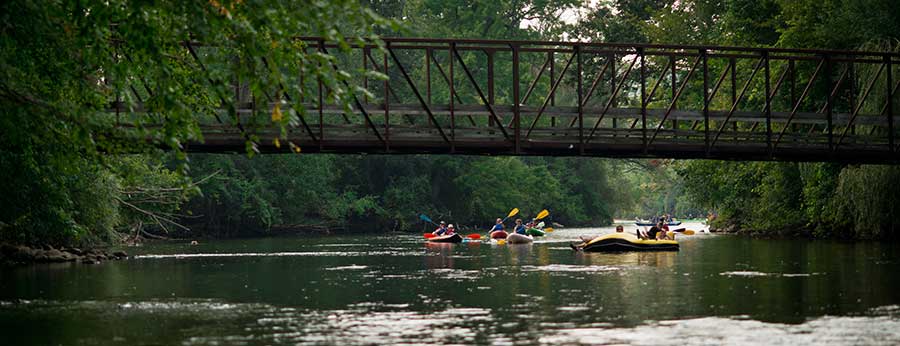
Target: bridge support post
674,101
490,83
890,100
387,103
321,102
612,88
452,51
640,51
516,105
829,106
768,111
578,73
703,56
552,62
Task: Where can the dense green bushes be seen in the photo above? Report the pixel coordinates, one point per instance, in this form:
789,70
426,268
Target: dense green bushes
819,199
383,193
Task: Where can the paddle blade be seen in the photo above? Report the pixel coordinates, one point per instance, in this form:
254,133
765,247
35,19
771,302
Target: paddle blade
501,242
425,218
429,235
689,232
542,214
548,229
512,213
474,236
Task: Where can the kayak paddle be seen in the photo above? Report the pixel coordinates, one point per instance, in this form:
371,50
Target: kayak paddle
542,214
684,231
512,213
425,218
548,229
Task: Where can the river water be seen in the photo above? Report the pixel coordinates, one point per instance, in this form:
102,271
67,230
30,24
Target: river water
365,290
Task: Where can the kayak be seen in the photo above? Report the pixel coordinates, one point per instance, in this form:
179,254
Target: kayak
498,235
453,238
618,242
651,224
534,232
515,238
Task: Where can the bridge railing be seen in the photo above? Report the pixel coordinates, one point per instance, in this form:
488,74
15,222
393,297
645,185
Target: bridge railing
600,99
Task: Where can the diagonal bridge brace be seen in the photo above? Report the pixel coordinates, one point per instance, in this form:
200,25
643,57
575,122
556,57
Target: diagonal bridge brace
359,104
550,94
481,94
418,95
612,98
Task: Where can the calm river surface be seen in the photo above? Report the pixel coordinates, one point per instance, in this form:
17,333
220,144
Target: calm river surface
365,290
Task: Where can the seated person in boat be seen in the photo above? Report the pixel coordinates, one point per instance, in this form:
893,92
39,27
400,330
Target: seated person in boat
498,226
530,224
442,228
655,230
450,230
520,228
584,241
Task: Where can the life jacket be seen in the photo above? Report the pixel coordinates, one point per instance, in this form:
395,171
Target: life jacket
520,229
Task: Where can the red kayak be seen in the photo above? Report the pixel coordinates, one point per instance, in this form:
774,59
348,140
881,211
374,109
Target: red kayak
453,238
499,235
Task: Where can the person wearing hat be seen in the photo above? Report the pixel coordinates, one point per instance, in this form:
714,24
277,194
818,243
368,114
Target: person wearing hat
450,230
441,229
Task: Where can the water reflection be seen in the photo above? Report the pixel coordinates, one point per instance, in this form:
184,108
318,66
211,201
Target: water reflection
439,255
663,259
397,290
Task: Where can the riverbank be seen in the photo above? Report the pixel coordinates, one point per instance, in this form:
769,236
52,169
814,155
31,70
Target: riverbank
789,233
21,254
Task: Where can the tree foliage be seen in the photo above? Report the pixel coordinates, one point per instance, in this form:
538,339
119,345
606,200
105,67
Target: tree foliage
169,65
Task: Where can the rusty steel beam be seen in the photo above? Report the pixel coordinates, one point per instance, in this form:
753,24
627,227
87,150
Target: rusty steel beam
797,103
860,103
611,98
418,95
487,103
551,93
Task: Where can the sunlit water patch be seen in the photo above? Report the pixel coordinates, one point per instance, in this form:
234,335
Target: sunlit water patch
745,273
566,268
829,330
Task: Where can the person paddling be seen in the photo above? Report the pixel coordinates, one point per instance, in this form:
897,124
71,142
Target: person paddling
498,226
442,228
520,228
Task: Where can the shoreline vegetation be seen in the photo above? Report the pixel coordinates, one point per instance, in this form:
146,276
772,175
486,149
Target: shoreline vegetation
74,178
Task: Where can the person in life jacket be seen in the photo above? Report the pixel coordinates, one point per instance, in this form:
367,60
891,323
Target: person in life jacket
442,228
497,226
520,228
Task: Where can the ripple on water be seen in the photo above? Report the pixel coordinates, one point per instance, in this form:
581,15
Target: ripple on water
349,267
879,330
368,323
744,273
574,268
356,327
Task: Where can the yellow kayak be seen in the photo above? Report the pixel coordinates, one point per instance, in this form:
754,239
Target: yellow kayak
618,242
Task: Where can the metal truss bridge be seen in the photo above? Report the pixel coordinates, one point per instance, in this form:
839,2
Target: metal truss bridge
493,97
